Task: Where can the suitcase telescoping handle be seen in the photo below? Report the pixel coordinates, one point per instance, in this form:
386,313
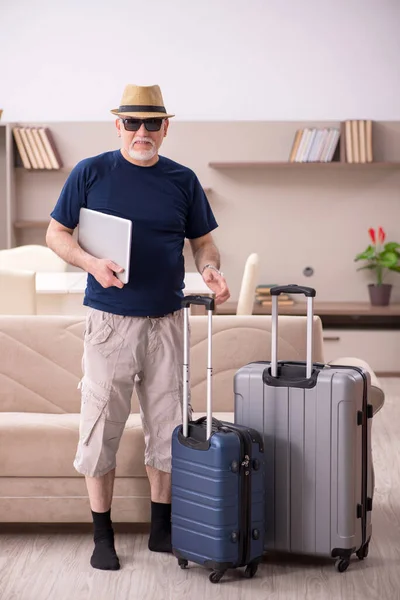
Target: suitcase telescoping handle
209,304
291,289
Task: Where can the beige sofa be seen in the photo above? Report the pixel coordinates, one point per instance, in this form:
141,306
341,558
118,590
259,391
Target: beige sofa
40,368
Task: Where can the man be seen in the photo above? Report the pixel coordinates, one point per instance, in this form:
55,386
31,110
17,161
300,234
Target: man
135,330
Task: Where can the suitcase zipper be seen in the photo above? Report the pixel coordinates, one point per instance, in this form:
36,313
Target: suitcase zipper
246,512
244,504
363,509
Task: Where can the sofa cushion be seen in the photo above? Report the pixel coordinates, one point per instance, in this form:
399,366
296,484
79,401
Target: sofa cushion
44,445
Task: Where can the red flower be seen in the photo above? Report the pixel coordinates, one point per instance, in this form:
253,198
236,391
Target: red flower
381,235
371,232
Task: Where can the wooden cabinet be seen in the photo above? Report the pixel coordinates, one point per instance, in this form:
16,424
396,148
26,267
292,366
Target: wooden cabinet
371,333
380,349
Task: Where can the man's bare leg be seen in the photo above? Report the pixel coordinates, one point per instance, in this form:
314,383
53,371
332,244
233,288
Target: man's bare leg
100,490
160,484
160,533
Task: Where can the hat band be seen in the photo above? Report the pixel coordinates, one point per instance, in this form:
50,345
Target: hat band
141,108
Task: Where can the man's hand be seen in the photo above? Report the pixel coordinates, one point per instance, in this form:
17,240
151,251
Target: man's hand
217,284
103,271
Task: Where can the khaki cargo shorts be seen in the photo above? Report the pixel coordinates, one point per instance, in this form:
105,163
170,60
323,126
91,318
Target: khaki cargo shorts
121,352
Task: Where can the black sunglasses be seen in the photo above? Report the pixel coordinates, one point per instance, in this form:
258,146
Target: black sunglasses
150,124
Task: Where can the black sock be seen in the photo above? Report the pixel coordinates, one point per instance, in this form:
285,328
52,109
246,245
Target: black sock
160,531
104,555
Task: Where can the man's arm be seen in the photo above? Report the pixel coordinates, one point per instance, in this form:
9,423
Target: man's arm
205,252
60,240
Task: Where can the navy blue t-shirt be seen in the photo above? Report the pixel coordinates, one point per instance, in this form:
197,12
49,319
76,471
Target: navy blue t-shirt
165,203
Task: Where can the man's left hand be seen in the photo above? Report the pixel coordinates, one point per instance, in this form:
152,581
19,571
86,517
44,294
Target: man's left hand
217,284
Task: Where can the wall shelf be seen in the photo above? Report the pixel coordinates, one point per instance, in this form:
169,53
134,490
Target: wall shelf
304,165
336,309
30,224
19,169
349,329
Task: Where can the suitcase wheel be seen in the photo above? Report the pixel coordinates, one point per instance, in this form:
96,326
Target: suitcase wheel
183,563
216,576
342,564
250,570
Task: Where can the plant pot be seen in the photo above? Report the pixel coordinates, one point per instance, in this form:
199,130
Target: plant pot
379,294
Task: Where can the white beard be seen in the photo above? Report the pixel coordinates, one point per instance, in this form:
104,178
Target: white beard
142,154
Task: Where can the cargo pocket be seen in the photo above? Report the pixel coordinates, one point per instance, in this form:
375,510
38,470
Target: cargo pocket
105,339
112,436
93,406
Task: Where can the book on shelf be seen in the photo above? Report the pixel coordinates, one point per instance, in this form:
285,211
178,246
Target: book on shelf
21,148
354,142
28,148
263,296
351,142
51,149
36,148
358,146
264,288
41,149
314,145
288,302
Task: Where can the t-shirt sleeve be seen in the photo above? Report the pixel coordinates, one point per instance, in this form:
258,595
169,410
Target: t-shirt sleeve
72,198
200,220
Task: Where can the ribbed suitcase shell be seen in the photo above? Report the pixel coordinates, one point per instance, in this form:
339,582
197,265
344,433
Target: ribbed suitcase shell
317,455
208,506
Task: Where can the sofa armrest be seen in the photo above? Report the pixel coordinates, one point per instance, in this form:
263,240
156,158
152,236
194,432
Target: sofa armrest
377,394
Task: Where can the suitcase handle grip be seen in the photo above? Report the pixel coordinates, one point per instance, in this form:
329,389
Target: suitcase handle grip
277,290
215,422
200,300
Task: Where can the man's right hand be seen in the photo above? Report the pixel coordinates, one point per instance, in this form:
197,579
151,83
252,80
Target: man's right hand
103,271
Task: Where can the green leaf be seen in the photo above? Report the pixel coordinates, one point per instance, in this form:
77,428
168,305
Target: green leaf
370,251
396,268
366,267
392,246
368,254
388,258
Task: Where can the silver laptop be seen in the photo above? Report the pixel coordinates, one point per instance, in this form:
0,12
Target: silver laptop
106,236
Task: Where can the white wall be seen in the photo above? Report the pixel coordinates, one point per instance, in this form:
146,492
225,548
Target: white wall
230,60
214,59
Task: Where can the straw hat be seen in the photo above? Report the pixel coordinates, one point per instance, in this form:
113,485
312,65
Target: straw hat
142,102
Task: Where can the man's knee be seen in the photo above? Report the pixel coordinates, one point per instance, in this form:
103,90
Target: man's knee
96,453
162,464
88,469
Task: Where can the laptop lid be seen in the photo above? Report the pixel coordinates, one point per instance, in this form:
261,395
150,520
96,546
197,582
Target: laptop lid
106,236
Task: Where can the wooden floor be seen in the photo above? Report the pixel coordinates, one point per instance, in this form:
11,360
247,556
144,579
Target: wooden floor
44,563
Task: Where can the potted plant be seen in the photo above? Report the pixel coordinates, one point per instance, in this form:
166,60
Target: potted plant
381,258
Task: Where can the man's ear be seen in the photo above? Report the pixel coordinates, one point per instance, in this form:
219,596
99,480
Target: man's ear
166,125
118,126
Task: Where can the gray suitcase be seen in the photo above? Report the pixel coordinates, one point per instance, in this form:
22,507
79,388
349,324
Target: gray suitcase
316,423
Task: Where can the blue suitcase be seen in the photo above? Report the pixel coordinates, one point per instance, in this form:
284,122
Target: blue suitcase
218,485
